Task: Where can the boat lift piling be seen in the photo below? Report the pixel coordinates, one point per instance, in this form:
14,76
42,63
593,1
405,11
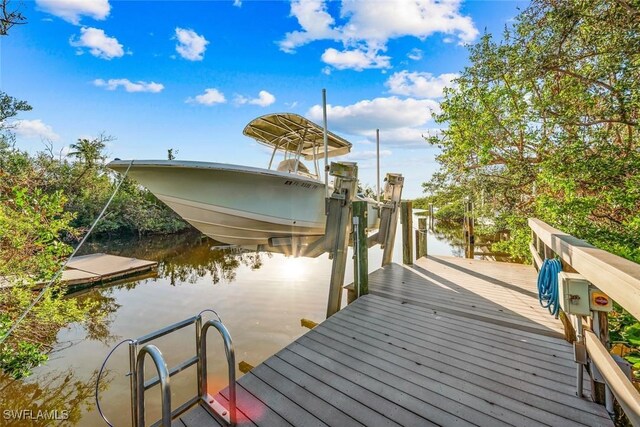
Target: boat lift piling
336,240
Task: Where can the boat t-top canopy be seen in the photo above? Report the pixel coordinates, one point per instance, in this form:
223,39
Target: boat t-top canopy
293,133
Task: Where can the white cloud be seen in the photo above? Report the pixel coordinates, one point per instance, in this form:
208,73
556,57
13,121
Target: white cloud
315,21
210,97
99,44
190,45
34,129
366,155
415,54
237,3
72,10
420,84
367,115
264,99
129,86
368,25
401,121
355,59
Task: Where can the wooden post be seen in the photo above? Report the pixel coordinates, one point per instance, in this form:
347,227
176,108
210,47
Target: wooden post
431,215
421,238
406,218
389,215
469,238
360,249
338,228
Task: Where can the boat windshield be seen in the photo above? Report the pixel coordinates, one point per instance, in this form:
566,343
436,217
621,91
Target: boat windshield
296,137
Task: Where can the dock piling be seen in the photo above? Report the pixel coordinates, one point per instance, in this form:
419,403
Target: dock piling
360,249
421,238
389,215
338,228
406,218
469,237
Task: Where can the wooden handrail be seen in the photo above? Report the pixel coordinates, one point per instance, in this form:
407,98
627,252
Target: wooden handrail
627,396
617,277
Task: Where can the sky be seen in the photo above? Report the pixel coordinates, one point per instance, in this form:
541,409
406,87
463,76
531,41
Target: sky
189,75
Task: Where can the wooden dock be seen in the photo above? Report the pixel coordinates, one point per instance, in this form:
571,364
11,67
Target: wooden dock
95,268
447,341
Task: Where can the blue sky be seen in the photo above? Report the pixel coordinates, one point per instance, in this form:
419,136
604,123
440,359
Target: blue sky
189,75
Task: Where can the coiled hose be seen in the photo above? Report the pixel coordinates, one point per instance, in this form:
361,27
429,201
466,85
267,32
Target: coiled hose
548,285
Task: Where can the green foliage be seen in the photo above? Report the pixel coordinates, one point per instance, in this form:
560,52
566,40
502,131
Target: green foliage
545,124
19,361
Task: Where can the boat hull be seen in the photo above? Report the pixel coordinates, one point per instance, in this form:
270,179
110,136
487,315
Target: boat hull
234,204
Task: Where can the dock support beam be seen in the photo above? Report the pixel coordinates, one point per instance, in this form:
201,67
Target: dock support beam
406,218
431,221
421,238
338,228
386,235
360,249
469,237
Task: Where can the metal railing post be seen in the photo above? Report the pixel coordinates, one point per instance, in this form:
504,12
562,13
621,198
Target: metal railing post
165,390
200,379
133,352
231,361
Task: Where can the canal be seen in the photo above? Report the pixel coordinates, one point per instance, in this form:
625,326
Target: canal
261,298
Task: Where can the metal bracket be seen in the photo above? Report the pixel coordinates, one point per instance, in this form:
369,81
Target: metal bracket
580,353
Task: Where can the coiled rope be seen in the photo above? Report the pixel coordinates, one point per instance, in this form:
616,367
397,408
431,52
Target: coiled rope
548,285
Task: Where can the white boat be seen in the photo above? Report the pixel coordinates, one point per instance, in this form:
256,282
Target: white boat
244,205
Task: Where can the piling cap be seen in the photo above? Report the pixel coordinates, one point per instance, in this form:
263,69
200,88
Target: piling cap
344,170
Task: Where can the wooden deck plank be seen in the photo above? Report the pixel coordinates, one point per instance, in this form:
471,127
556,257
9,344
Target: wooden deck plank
458,323
254,409
384,385
478,301
198,417
411,330
333,396
304,398
451,371
278,402
388,411
445,379
447,341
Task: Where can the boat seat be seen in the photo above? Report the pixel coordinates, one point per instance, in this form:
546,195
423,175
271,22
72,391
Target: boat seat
289,165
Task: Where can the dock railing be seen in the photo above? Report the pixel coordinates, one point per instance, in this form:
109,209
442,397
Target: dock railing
620,280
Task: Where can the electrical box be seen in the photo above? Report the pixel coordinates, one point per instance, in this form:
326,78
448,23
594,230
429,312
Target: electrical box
599,301
573,294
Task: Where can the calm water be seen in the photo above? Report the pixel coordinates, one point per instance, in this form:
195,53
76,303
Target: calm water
261,298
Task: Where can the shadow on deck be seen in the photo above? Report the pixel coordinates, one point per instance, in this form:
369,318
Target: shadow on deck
447,341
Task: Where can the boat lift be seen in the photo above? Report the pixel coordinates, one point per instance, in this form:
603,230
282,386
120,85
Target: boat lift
339,227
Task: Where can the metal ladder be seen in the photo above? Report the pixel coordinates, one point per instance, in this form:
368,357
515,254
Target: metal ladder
139,385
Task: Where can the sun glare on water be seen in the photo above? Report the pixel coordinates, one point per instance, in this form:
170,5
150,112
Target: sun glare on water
293,268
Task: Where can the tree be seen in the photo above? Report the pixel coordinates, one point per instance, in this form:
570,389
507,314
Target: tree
9,17
545,123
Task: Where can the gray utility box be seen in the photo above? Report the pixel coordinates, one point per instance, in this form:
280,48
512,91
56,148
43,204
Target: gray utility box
573,293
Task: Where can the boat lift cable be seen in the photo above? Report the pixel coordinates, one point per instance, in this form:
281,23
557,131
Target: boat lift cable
548,285
61,269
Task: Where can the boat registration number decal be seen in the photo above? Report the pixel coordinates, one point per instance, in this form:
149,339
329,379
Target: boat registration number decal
301,184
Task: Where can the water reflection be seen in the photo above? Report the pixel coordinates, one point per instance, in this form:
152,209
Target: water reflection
55,399
264,297
452,235
184,258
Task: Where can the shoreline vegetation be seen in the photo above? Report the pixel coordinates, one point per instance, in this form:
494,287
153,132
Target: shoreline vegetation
545,123
47,202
